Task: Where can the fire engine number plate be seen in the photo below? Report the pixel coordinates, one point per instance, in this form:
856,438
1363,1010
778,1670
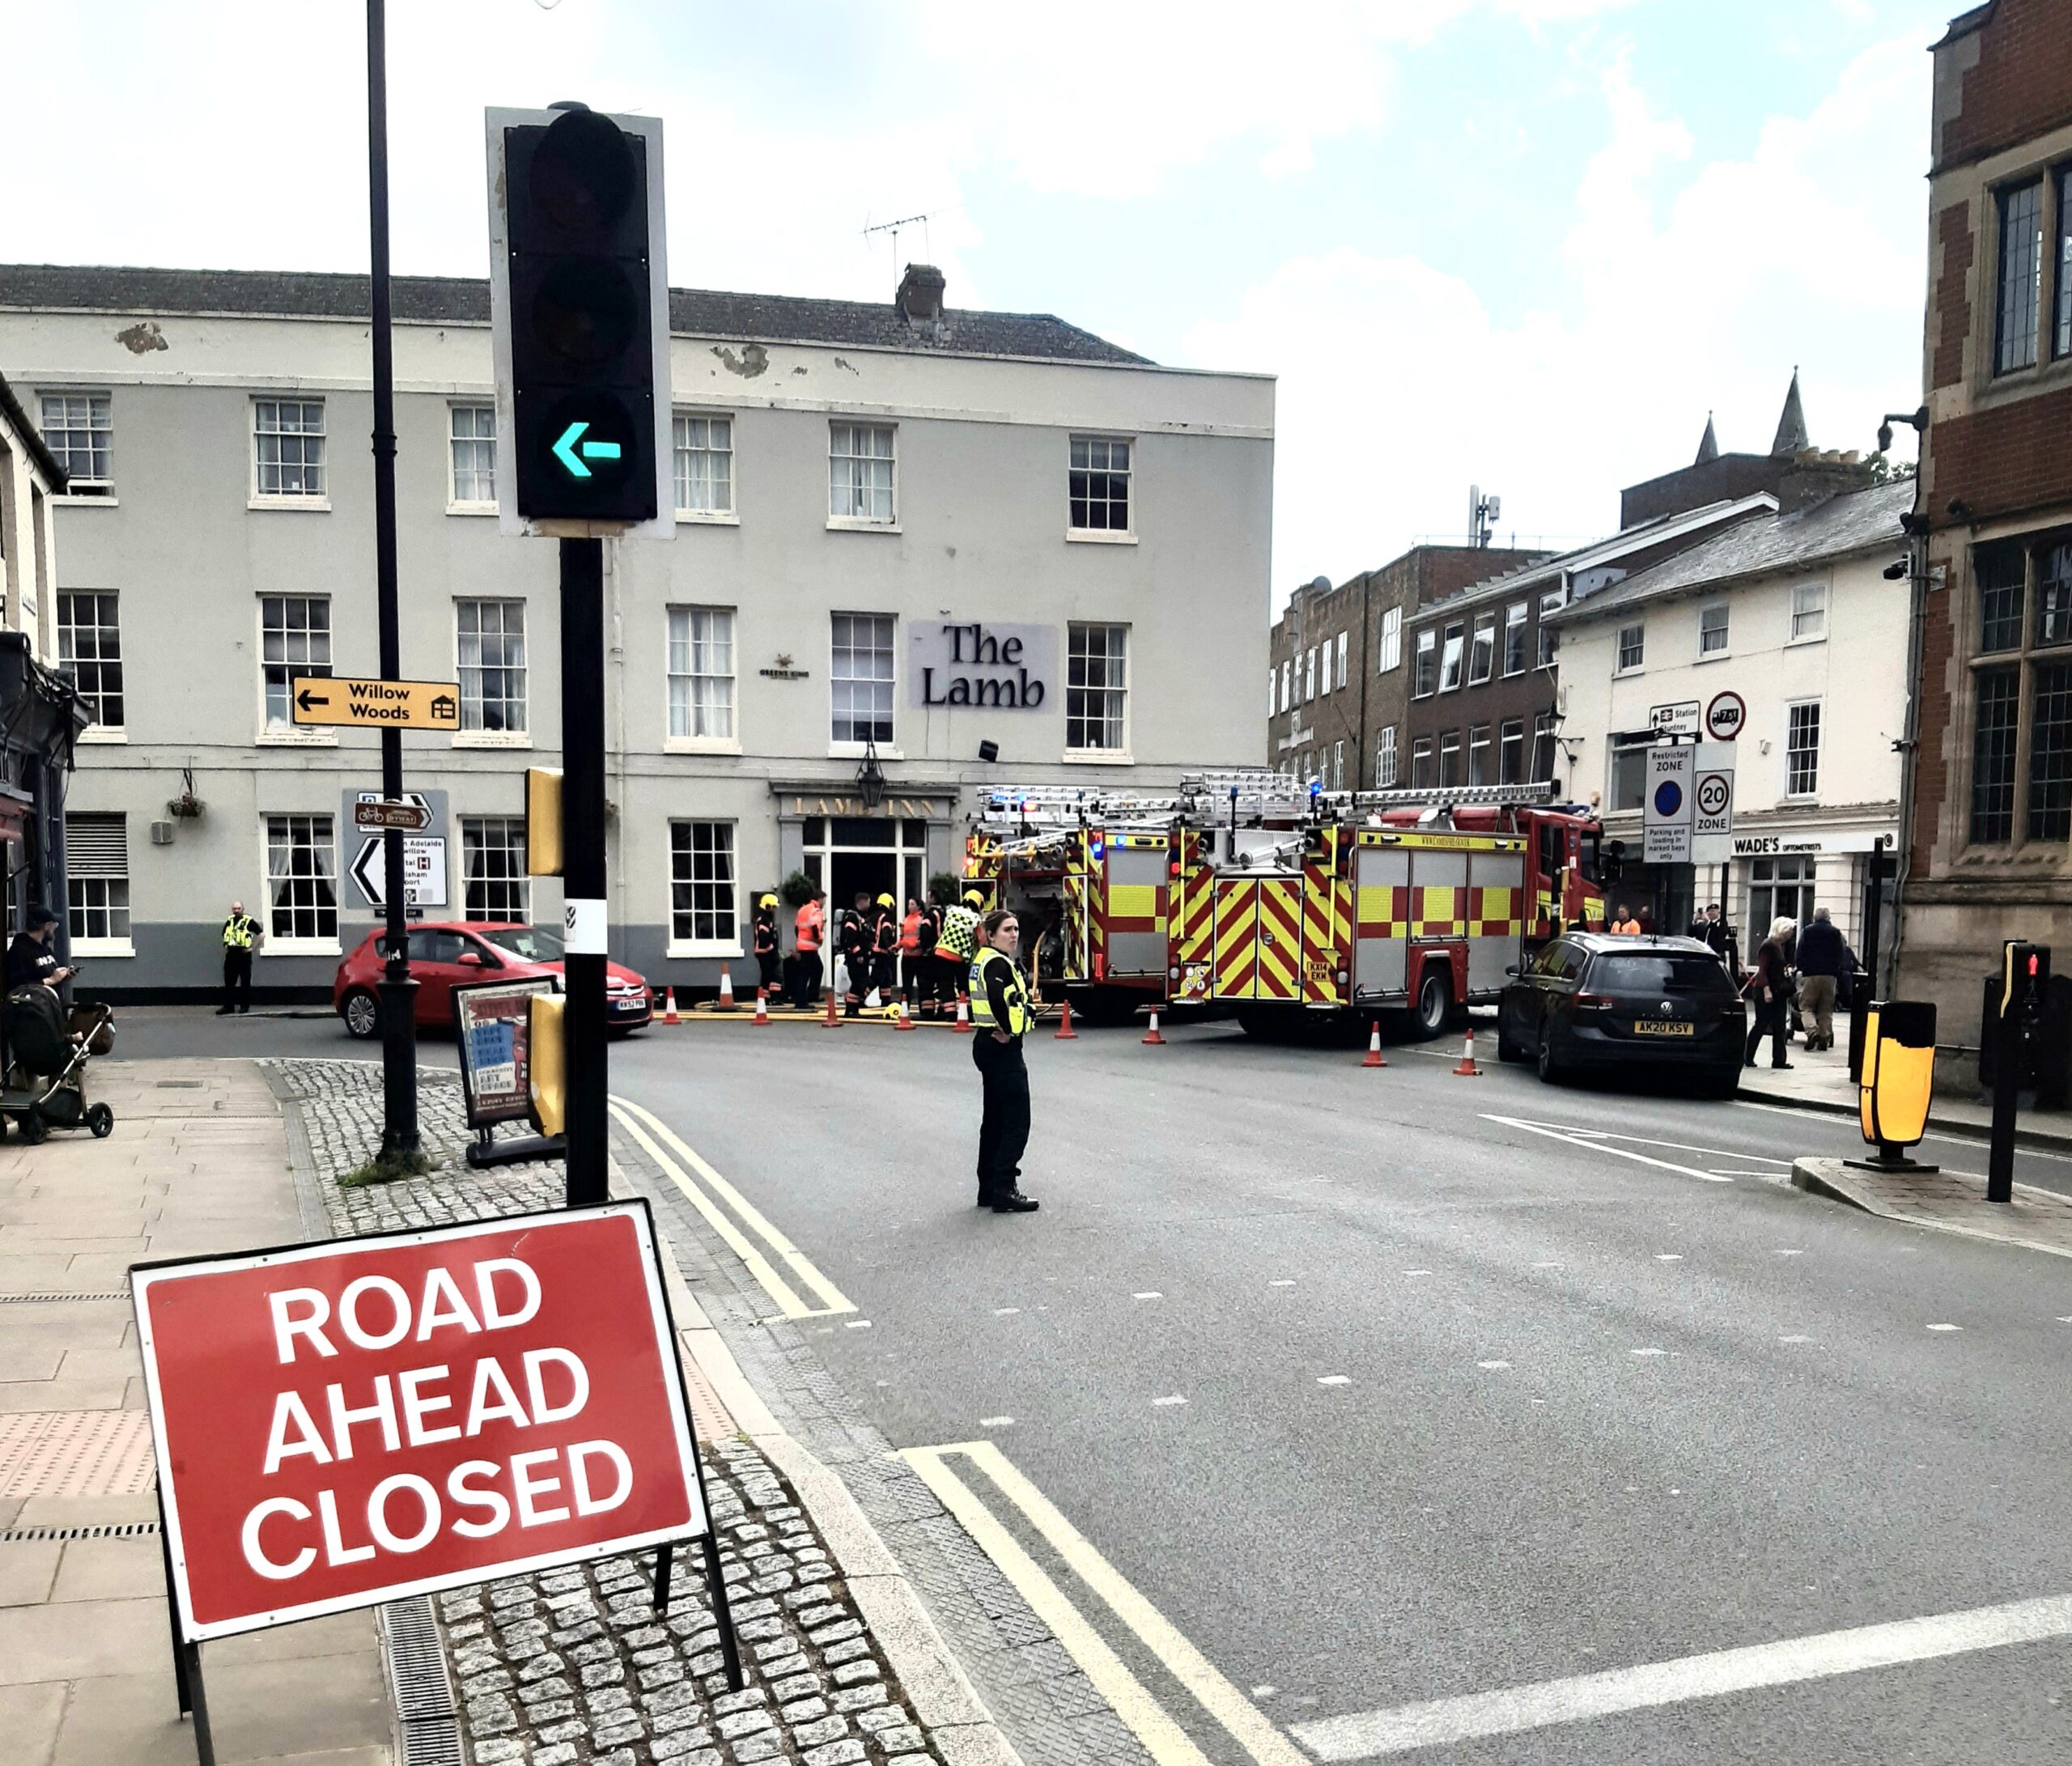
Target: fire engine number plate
1660,1027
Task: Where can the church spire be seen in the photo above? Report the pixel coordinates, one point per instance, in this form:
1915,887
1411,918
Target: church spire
1791,425
1708,447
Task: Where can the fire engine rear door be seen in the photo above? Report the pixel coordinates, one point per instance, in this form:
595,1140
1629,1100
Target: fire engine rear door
1280,971
1236,938
1496,917
1381,909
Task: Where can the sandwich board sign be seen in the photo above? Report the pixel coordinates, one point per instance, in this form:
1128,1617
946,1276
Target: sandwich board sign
343,1423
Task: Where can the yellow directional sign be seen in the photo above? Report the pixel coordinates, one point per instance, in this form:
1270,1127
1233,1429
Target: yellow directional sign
375,705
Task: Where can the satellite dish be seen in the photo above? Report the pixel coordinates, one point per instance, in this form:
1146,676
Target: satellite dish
1321,585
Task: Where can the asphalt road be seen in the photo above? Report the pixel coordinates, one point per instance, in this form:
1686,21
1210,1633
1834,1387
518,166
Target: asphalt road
1583,1412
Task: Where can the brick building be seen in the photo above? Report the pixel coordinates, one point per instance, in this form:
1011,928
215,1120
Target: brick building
1989,830
1331,715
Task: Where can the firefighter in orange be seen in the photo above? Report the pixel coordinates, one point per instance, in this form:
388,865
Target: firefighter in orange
808,929
917,938
768,957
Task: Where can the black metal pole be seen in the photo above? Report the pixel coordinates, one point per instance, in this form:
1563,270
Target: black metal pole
1874,912
583,864
2008,1071
399,1028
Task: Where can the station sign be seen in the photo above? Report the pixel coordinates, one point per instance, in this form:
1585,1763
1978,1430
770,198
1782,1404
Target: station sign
344,1424
1679,718
355,702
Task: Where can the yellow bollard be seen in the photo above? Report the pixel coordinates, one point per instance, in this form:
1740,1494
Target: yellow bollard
1897,1082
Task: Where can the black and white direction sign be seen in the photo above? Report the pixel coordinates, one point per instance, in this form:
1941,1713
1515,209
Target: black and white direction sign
424,871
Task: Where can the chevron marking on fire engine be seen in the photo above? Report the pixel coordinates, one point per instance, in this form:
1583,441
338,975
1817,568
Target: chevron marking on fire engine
1281,939
1196,918
1076,965
1237,939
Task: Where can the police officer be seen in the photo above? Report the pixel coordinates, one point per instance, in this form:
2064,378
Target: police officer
767,960
1000,1014
29,958
241,937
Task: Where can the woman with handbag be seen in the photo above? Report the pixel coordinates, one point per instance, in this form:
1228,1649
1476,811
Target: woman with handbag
1768,989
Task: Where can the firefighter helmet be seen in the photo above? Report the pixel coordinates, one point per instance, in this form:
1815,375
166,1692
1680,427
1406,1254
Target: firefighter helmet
974,898
767,901
884,900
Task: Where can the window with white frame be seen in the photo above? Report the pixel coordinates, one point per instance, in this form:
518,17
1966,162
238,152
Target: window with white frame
860,678
1478,756
493,876
1450,658
1391,655
1100,484
1271,674
287,447
1424,681
1338,765
705,465
1629,769
1809,612
1712,630
1482,659
859,463
1326,654
1097,688
97,878
1384,758
1287,668
1514,619
1423,773
702,673
1632,646
1550,636
1510,752
702,905
1449,757
295,638
1310,675
1781,889
1543,747
301,880
89,648
1342,653
79,428
1802,749
472,439
492,649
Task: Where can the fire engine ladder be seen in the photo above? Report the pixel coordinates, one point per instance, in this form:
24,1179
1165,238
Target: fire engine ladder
1437,803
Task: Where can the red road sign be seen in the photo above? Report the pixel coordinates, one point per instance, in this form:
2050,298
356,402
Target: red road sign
340,1424
1725,715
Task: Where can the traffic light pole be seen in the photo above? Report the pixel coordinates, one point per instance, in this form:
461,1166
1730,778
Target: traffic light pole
399,1032
583,864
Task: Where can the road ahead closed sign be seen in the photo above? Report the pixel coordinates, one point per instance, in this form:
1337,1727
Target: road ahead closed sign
340,1424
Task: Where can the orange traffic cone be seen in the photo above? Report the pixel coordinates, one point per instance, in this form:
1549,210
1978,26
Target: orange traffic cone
1375,1046
669,1006
1468,1069
1152,1035
726,989
1066,1032
905,1023
761,1006
964,1014
833,1020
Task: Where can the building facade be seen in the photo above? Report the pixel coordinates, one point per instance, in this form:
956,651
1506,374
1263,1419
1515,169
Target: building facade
1336,698
1794,612
902,531
1989,842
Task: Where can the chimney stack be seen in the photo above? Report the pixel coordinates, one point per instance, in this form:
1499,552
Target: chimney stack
920,294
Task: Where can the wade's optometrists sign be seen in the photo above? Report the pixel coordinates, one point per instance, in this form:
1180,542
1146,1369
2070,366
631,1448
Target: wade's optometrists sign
342,1423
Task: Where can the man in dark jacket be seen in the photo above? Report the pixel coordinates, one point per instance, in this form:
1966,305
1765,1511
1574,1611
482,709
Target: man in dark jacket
29,958
1824,959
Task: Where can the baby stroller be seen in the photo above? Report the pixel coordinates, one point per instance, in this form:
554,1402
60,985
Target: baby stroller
48,1052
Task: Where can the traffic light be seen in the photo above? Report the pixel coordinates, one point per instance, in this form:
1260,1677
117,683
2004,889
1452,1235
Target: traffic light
546,1062
579,313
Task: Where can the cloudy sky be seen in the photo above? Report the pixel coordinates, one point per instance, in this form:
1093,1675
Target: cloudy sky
1524,243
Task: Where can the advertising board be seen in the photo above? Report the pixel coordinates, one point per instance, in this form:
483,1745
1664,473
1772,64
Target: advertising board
489,1031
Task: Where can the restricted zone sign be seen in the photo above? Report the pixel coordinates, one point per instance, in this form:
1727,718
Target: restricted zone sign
342,1423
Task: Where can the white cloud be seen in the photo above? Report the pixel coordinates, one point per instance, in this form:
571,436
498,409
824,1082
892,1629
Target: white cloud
1398,388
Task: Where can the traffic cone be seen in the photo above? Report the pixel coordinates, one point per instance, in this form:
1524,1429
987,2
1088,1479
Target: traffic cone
1375,1046
833,1020
1152,1035
1066,1032
726,989
1468,1069
669,1006
904,1022
963,1014
761,1006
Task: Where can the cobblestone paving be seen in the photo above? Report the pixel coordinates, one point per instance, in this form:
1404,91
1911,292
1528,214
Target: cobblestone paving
572,1665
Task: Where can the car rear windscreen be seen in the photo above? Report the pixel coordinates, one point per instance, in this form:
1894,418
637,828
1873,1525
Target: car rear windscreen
1640,971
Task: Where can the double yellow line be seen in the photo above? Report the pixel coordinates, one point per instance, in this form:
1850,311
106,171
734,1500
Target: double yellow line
1163,1738
666,1148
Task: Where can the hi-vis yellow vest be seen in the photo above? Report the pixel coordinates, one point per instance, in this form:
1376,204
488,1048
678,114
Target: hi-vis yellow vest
238,932
982,1000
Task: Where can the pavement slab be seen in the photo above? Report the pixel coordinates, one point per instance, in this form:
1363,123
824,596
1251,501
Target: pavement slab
1946,1201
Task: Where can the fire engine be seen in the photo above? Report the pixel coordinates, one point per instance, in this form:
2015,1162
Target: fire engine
1243,891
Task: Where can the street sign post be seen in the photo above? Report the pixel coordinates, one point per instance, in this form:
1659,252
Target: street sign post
1678,718
380,813
346,1423
352,702
1666,809
1712,820
1725,715
424,871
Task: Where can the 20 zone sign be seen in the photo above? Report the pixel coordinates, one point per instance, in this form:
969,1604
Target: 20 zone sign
339,1424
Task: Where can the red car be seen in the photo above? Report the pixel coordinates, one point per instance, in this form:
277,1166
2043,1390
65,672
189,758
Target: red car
451,952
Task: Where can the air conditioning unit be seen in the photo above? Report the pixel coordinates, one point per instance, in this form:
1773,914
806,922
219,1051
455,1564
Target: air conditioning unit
161,833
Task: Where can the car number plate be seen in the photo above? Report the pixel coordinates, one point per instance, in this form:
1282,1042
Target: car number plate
1660,1027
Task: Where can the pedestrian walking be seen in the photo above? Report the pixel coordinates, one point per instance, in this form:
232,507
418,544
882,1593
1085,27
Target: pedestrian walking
808,926
1625,923
241,937
30,958
768,944
999,1015
1824,960
1768,989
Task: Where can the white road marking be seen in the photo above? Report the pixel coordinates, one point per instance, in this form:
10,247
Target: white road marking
2065,1320
1162,1738
1547,1266
857,1324
1674,1146
1151,1293
1575,1140
1647,1351
1669,1257
1264,1693
1280,1285
1794,1339
1790,1254
1492,1364
1005,1312
1173,1398
1334,1379
1417,1272
1946,1328
1368,1734
995,1422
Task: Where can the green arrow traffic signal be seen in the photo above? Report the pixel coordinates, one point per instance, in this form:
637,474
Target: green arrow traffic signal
565,450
